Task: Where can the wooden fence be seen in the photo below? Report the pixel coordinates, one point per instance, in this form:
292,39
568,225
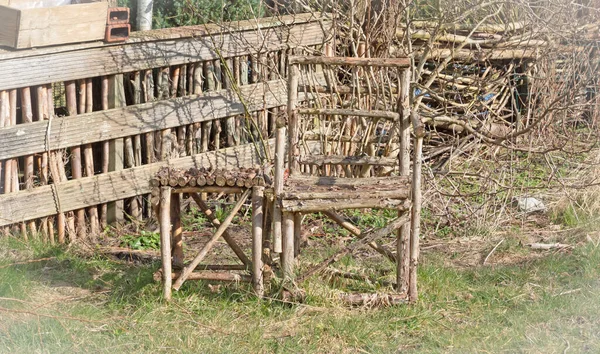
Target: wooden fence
84,127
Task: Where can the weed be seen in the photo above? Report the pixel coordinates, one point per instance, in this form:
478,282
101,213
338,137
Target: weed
144,241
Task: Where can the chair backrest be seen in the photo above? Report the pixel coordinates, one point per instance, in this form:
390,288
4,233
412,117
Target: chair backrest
347,116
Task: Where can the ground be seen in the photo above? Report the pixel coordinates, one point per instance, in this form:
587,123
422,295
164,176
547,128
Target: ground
73,299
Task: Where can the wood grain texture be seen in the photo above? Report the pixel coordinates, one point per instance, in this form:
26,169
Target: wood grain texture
98,126
112,186
38,69
61,24
9,18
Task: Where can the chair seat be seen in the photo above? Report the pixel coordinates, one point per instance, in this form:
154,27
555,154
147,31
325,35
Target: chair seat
307,193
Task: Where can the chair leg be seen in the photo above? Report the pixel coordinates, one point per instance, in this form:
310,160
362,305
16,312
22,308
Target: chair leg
165,240
287,256
257,235
297,233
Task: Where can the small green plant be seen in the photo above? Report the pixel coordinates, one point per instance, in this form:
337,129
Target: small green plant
144,241
194,220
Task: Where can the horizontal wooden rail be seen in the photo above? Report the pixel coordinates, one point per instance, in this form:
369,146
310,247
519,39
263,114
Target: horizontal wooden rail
320,160
350,112
351,61
311,206
346,182
32,67
27,139
107,187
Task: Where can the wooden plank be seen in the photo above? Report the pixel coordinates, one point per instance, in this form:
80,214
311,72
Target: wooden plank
320,160
107,60
98,126
116,99
316,205
393,116
298,181
351,61
9,18
171,33
107,187
62,24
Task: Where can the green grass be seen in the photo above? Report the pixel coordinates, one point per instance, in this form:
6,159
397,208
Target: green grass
71,303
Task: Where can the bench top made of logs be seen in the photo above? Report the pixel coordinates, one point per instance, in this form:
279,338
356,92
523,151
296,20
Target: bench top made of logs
208,177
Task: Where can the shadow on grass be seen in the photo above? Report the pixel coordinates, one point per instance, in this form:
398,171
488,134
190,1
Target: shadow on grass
122,283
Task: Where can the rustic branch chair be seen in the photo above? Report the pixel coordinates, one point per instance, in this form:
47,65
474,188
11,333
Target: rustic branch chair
315,182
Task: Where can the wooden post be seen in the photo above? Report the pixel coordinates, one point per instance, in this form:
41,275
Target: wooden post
137,201
8,164
416,207
293,148
116,99
56,166
297,233
257,234
105,148
165,240
12,96
3,119
402,239
88,155
42,114
76,166
287,256
176,231
27,117
278,184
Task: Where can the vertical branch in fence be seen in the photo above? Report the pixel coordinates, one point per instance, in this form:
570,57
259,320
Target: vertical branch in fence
132,145
42,114
190,140
105,147
65,223
11,172
402,241
76,166
14,182
229,82
164,136
28,174
5,122
88,154
137,144
116,99
2,123
179,136
217,74
147,95
207,68
197,83
244,122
